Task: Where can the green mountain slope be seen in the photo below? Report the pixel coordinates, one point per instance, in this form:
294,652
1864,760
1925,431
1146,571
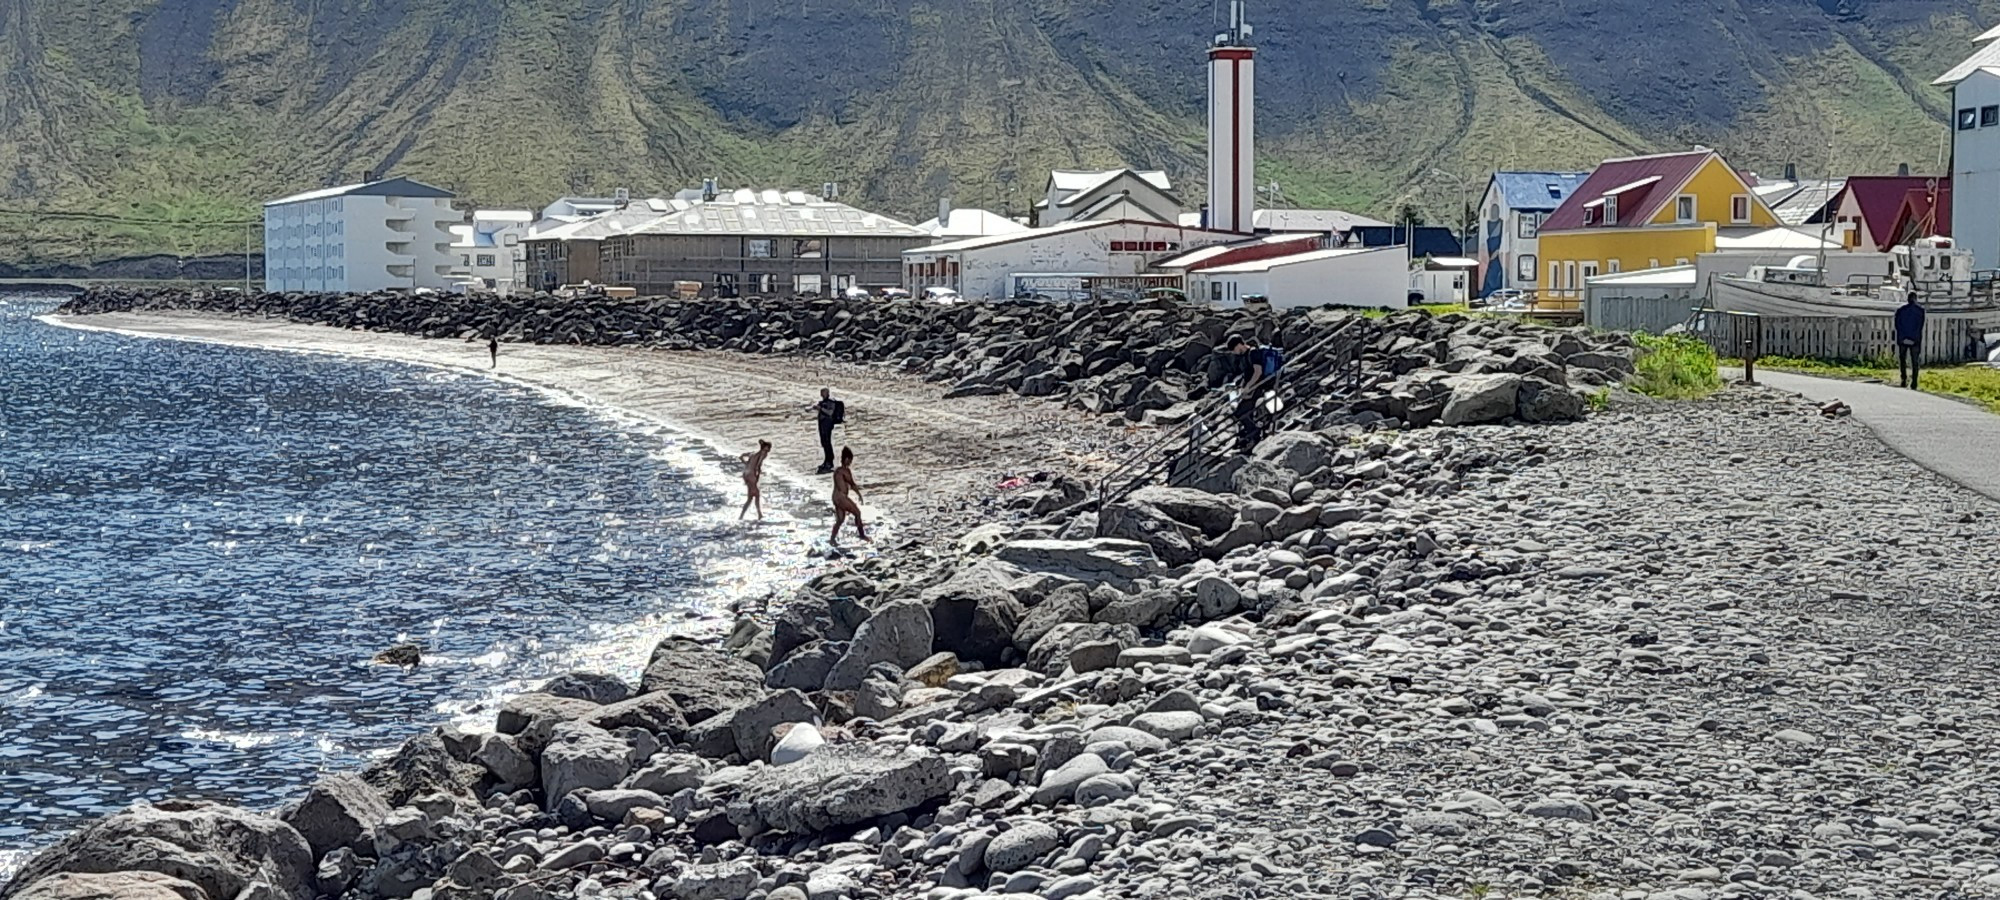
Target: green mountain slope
168,113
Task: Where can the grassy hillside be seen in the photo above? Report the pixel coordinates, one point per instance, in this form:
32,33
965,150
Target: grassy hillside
177,116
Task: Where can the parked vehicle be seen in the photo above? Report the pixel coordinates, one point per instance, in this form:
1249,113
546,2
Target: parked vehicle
1501,297
895,294
943,296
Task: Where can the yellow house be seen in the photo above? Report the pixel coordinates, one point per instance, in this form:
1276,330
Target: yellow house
1642,213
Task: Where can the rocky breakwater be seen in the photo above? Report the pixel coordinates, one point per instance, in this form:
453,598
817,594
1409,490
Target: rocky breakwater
1148,362
983,720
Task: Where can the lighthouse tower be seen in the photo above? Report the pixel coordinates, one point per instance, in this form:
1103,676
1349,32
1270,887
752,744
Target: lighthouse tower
1232,143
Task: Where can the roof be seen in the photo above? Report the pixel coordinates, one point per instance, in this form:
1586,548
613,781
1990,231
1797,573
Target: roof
1665,276
388,187
504,216
1427,240
1077,182
1309,220
741,212
1193,259
1450,262
1536,191
1987,55
1785,238
1275,262
1923,214
1643,184
964,223
1801,202
1880,197
994,240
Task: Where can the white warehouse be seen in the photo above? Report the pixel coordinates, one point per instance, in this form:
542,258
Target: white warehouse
986,268
378,235
1343,276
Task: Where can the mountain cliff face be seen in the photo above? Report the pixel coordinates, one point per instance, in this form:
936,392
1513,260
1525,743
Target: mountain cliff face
183,111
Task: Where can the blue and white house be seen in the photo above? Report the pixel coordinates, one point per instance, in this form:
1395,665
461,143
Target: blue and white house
1515,204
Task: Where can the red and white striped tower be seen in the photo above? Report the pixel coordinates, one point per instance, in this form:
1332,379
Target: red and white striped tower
1232,141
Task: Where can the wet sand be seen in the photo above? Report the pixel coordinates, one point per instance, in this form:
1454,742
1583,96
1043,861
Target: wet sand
921,458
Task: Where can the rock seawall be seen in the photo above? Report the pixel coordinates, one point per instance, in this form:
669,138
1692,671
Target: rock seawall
1145,362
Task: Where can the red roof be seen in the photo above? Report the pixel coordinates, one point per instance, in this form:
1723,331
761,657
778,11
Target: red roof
1637,206
1881,200
1921,214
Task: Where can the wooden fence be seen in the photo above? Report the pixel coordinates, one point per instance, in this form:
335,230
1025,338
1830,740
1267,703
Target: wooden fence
1947,339
1649,314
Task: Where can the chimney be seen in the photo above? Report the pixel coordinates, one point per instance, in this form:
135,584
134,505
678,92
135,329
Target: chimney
622,197
1903,169
708,190
1791,171
944,211
368,176
829,191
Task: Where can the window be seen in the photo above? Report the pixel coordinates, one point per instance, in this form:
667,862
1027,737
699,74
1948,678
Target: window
1652,264
725,284
1569,276
1681,261
1989,116
1739,208
1615,266
1589,270
1968,119
1555,275
1525,268
1215,291
1611,210
763,248
486,260
763,284
1684,208
1530,226
805,285
809,249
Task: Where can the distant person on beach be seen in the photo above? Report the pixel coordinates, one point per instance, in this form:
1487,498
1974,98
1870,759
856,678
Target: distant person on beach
830,412
1910,341
753,471
493,349
843,505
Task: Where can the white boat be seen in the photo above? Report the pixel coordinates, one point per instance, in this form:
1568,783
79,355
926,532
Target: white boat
1937,273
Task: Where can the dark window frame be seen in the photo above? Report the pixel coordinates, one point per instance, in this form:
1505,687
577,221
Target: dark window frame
1968,119
1989,116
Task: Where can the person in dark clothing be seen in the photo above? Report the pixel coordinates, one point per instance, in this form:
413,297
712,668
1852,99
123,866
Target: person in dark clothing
1910,341
830,412
1259,377
493,349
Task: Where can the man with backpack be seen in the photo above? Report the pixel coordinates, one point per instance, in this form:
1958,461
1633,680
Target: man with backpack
830,412
1261,365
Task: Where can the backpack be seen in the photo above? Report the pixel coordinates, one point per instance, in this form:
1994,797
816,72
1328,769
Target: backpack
839,413
1271,360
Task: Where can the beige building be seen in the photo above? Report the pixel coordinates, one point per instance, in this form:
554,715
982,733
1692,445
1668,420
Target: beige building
734,243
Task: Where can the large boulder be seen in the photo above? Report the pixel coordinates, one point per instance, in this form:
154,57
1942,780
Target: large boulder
1543,401
340,811
592,686
422,766
1051,654
974,614
1066,605
1299,451
1136,520
839,785
1211,514
112,886
805,667
220,849
655,712
900,632
530,717
1479,399
580,756
702,679
753,725
1095,561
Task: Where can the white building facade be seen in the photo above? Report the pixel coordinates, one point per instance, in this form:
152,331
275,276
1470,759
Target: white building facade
491,256
1975,151
380,235
987,268
1370,277
1514,207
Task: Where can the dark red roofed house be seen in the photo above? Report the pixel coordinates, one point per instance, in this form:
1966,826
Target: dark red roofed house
1869,213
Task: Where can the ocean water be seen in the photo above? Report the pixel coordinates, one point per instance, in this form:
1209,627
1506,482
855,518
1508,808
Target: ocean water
202,546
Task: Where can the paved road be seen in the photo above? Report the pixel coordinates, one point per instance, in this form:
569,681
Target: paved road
1957,440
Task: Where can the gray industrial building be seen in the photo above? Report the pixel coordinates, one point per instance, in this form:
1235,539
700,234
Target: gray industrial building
733,243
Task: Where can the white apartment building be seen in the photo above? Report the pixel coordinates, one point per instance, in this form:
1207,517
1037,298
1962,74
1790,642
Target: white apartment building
491,256
374,236
1975,151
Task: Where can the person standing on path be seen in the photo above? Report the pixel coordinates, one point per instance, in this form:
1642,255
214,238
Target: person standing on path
1910,341
1260,377
753,472
493,349
843,505
830,412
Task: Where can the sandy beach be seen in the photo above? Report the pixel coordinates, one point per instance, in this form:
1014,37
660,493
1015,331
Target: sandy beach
924,460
